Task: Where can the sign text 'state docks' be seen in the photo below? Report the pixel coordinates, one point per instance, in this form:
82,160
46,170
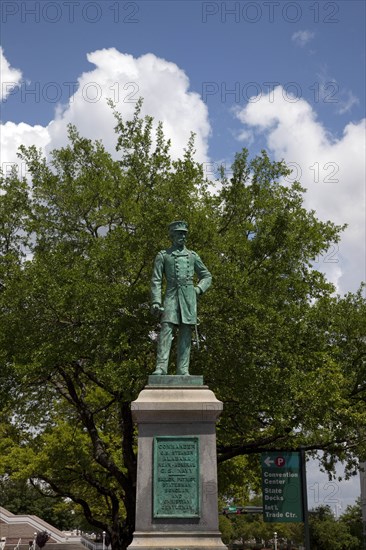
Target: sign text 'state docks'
176,477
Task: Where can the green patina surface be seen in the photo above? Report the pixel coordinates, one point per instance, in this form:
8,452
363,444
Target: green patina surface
187,278
176,477
174,380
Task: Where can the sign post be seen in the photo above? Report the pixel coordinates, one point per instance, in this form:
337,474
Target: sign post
305,500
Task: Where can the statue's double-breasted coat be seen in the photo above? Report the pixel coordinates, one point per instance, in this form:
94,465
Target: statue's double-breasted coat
179,268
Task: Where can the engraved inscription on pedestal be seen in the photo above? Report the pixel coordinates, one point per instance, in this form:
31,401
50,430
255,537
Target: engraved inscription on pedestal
176,477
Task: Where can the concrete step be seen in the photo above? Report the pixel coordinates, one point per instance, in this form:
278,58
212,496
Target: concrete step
11,544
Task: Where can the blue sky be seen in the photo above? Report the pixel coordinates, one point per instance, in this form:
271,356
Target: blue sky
286,76
245,47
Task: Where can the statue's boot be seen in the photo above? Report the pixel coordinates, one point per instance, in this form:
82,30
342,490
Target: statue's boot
159,371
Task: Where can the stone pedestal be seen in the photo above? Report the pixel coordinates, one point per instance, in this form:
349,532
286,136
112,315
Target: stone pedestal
176,506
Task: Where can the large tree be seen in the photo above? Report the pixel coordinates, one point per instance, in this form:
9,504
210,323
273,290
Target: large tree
77,340
327,532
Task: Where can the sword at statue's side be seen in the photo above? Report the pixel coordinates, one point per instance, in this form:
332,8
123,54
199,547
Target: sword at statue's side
197,337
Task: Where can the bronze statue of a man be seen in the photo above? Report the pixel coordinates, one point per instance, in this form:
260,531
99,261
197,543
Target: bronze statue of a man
178,265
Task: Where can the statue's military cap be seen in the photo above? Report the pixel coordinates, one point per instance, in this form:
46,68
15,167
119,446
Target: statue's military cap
178,226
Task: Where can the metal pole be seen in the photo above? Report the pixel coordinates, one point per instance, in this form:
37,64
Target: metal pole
363,501
275,540
305,500
337,507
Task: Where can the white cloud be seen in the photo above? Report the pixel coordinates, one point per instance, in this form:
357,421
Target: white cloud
123,78
347,101
246,136
10,77
332,170
12,136
329,91
301,38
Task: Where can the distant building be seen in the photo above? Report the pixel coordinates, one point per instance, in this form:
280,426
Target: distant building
13,528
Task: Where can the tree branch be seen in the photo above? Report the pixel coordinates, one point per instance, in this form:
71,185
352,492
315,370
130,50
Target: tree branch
265,446
99,451
85,506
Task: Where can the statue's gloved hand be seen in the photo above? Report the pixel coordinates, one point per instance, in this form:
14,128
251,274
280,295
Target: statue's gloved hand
198,290
156,309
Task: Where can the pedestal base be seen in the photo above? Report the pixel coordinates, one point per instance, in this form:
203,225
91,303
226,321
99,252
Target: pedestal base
176,496
177,541
165,380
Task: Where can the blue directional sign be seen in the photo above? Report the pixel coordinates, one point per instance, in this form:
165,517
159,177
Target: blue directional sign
281,485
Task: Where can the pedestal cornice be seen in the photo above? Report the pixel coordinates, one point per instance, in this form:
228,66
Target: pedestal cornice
170,403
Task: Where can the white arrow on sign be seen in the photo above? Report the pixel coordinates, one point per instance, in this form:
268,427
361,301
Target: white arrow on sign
268,461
